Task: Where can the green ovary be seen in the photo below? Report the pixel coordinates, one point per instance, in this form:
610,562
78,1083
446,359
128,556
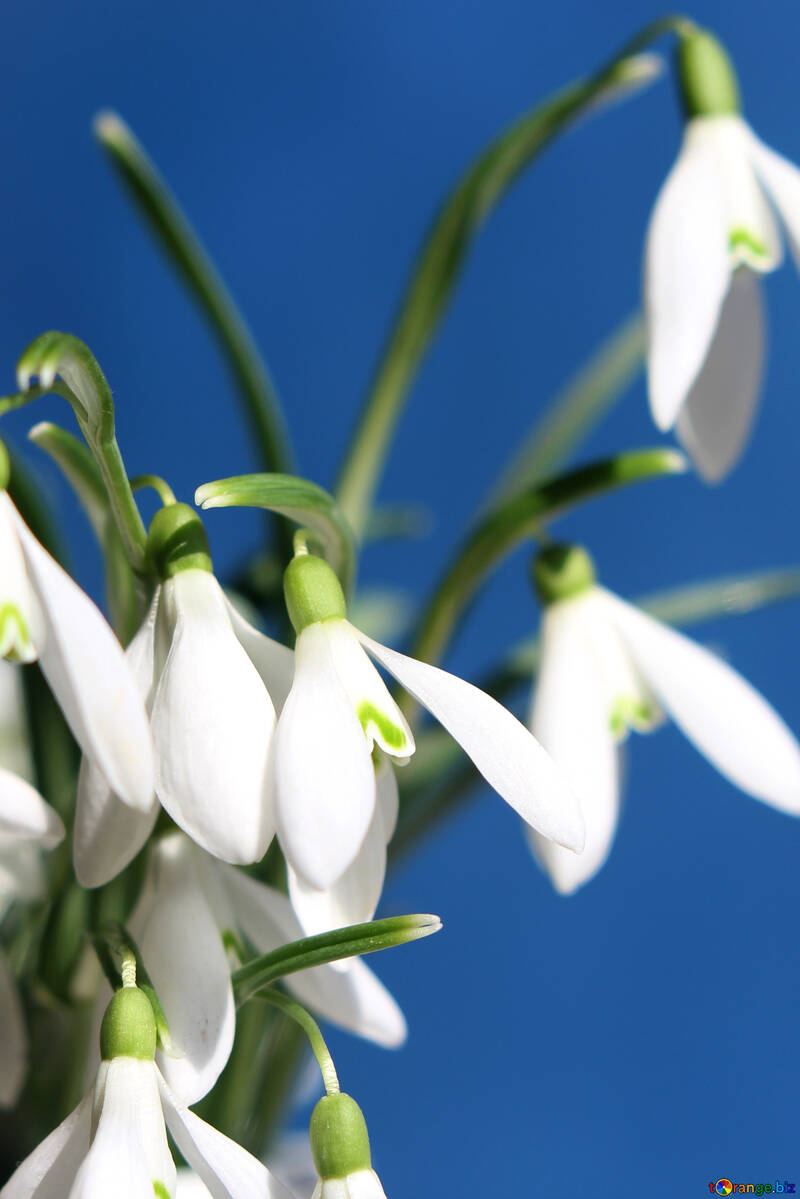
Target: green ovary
391,735
742,239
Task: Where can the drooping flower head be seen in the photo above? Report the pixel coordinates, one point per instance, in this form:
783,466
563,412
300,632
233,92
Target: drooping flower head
341,1152
339,709
606,668
711,236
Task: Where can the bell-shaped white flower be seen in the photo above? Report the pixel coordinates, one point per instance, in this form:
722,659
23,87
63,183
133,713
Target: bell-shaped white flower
187,889
607,667
711,236
28,825
210,711
44,615
115,1142
339,708
341,1152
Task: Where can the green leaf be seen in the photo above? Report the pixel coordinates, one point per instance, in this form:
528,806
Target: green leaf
520,516
298,500
444,254
577,409
353,941
186,254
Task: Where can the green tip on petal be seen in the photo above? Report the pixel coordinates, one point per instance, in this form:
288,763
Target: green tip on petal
160,1191
390,733
706,76
339,1137
177,541
129,1027
312,591
561,571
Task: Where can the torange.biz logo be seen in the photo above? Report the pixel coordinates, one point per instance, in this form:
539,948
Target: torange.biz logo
724,1186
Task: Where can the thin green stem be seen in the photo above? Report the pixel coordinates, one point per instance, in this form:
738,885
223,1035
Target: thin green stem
315,1038
159,485
444,254
184,249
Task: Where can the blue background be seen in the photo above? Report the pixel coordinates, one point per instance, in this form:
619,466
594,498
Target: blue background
640,1037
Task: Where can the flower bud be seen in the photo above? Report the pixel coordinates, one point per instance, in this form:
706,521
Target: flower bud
129,1027
339,1138
706,76
177,541
312,591
562,570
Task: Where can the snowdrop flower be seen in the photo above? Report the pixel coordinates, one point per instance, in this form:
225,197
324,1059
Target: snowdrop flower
45,616
187,889
210,711
606,667
341,1152
115,1142
339,708
27,826
712,235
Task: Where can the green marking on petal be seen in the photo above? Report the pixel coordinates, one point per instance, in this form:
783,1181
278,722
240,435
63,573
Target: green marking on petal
160,1191
742,242
14,634
629,713
391,735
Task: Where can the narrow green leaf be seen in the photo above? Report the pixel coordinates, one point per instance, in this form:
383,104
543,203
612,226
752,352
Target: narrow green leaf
298,500
353,941
520,516
577,409
186,254
444,254
81,472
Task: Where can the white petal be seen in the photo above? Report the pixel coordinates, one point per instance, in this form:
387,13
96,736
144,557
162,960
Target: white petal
108,833
388,796
753,236
324,778
212,722
273,661
189,1186
90,678
355,999
383,722
364,1184
14,1039
353,898
505,753
48,1172
129,1152
21,873
571,717
686,276
25,815
714,423
183,953
15,749
782,180
22,630
228,1171
720,713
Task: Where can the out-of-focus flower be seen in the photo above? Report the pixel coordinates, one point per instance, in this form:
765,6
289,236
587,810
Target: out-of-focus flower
711,236
607,667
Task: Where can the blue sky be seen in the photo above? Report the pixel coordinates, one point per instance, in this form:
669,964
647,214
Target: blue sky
641,1035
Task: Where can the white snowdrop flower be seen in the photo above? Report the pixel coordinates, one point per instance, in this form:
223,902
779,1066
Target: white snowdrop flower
185,889
341,1152
27,826
606,667
45,616
290,1161
211,715
339,708
712,235
115,1141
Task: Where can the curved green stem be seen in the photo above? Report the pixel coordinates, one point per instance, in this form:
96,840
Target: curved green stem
183,248
159,485
312,1031
521,516
444,253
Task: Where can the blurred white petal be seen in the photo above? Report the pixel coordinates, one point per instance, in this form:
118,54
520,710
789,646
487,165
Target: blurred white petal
49,1172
